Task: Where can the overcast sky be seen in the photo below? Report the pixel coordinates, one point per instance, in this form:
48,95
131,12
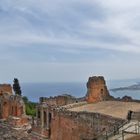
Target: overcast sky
69,40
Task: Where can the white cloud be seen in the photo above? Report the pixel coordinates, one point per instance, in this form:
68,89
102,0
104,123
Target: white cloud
72,26
116,23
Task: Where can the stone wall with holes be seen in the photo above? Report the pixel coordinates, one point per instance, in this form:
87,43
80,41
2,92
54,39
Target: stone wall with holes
12,109
59,123
11,105
59,100
97,90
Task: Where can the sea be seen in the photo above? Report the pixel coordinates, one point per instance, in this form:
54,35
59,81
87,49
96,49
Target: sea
78,89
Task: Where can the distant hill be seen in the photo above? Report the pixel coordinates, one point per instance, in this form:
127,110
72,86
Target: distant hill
132,87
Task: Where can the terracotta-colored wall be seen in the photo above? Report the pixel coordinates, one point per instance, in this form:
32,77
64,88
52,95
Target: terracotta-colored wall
16,109
5,88
6,109
67,125
65,128
40,131
80,126
96,89
11,105
58,100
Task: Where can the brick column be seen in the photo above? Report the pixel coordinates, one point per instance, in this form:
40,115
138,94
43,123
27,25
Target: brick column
42,117
37,112
47,119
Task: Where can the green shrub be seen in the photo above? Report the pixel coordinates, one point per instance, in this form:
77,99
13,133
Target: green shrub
30,107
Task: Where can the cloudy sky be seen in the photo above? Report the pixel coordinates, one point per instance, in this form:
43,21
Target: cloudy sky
69,40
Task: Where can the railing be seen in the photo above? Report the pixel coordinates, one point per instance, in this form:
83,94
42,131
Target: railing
116,130
120,131
112,132
135,129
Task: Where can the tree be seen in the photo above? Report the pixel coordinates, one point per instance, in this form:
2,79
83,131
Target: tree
16,87
25,99
30,107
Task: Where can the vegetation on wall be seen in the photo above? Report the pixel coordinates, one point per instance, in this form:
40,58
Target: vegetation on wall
30,107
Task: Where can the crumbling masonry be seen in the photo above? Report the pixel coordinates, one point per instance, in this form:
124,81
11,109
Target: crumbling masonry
12,107
55,121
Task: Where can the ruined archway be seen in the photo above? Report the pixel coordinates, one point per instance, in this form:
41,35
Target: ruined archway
45,118
15,114
21,110
0,111
5,111
38,114
50,118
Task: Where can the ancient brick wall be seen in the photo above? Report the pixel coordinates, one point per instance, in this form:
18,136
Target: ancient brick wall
5,109
5,88
61,123
42,132
78,126
97,89
59,100
11,105
63,128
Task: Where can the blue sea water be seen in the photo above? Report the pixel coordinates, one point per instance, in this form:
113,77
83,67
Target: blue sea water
35,90
135,94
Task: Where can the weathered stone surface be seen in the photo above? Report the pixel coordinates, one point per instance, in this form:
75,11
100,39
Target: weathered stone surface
55,121
97,89
8,133
64,127
11,105
59,123
60,100
126,99
5,88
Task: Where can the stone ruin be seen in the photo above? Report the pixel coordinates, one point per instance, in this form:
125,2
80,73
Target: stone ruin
57,122
60,100
54,120
5,88
97,90
12,107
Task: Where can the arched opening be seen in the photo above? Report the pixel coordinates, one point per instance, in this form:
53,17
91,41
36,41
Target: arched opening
38,114
21,110
15,111
102,91
50,117
12,111
5,110
0,112
102,94
45,119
